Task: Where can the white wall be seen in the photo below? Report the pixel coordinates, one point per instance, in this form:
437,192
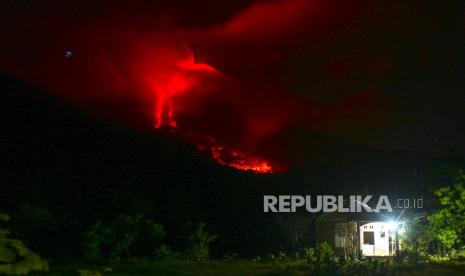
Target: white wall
381,244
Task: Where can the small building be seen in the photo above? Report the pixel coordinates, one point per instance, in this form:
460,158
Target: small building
358,235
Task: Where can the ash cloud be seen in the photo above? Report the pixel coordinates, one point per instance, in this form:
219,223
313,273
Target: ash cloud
276,65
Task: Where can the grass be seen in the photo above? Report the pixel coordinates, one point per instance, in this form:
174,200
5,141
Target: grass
185,268
229,268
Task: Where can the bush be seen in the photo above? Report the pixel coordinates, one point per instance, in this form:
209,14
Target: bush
461,253
15,257
368,267
410,256
36,226
231,257
355,267
200,240
164,253
447,224
321,258
126,236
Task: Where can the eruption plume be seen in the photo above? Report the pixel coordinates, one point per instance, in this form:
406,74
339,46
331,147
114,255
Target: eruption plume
241,84
177,83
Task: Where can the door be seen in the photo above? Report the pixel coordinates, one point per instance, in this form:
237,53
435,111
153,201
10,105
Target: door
368,248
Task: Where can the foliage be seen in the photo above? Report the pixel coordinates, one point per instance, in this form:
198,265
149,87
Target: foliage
37,227
355,267
375,267
231,257
121,237
441,234
164,253
85,272
200,240
438,259
277,260
15,257
447,225
461,253
417,239
321,257
408,255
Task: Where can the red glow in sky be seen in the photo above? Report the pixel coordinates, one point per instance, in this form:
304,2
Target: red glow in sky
238,79
176,83
181,81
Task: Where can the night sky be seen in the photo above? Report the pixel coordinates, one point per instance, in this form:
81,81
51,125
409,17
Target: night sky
259,77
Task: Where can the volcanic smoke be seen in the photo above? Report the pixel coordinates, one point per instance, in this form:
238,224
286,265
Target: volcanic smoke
243,85
178,82
181,81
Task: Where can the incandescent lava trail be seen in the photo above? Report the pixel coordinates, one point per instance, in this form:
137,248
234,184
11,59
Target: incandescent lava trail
240,81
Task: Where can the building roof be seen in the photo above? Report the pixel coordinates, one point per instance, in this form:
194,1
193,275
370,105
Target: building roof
362,216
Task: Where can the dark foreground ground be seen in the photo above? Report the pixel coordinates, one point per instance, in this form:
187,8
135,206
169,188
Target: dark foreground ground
232,268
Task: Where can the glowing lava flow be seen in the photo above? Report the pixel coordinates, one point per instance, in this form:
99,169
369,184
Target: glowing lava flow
235,159
180,81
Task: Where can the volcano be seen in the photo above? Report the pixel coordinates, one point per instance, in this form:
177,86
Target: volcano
182,80
245,83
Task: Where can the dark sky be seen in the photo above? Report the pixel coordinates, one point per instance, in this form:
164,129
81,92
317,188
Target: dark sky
383,74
